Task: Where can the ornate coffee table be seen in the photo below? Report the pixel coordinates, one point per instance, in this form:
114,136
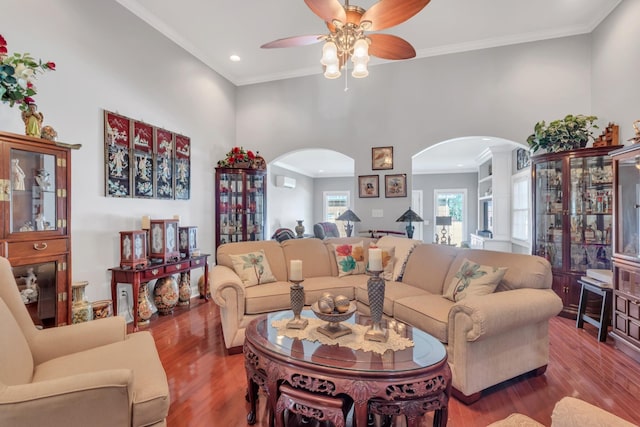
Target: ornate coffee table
409,382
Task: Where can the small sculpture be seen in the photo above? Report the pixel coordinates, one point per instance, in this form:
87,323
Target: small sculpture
32,119
49,133
636,139
17,175
42,178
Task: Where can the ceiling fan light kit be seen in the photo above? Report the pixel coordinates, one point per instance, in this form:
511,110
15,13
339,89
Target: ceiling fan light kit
347,39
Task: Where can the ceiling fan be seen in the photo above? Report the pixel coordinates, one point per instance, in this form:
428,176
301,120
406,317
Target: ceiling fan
347,36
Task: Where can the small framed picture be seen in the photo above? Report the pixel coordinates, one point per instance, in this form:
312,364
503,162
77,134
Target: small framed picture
523,158
381,158
369,186
395,185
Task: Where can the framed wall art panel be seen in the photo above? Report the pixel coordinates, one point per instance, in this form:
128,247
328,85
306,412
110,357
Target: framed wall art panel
369,186
117,149
143,160
164,183
182,171
381,158
395,185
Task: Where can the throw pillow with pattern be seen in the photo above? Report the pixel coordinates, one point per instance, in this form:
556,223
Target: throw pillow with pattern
473,279
253,268
350,258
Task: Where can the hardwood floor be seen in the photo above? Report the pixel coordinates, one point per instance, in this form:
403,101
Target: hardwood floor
208,387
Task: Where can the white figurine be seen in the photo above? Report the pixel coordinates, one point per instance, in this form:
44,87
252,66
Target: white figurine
17,175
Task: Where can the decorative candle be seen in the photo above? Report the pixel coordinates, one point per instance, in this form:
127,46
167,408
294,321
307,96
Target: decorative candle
295,268
375,259
146,222
176,216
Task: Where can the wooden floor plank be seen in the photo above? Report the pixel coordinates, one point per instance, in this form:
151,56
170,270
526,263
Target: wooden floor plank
208,387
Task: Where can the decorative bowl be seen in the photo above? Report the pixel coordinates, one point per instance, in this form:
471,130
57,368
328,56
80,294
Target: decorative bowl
334,329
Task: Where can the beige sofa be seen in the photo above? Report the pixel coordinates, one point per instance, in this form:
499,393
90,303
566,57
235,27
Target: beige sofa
489,339
568,412
91,373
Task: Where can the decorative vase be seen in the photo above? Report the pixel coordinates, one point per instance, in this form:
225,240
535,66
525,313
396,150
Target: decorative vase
375,291
184,295
102,309
165,294
81,310
144,305
299,228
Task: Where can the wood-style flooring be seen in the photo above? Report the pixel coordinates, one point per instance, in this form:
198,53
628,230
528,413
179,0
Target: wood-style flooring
208,386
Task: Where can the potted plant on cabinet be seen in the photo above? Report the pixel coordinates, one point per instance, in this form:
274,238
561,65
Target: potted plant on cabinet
561,135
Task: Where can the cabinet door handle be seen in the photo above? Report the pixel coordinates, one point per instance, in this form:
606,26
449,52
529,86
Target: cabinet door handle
40,246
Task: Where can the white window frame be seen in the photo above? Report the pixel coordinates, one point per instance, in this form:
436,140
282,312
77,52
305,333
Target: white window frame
521,204
465,208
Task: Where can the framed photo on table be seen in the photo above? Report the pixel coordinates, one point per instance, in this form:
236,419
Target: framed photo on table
381,158
395,185
369,186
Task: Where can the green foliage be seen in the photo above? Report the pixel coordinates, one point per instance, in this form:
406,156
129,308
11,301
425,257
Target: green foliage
560,135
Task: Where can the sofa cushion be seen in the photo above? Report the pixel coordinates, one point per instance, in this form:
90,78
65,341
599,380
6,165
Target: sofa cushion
428,312
253,268
16,360
403,248
349,258
314,287
473,279
428,265
151,390
271,248
313,254
392,292
268,297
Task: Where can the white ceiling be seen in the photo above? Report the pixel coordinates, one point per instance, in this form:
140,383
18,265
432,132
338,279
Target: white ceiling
214,30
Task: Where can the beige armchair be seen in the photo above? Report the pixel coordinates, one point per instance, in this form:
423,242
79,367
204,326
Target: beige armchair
86,374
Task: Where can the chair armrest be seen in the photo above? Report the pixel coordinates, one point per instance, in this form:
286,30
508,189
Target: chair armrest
222,280
572,412
101,398
50,343
501,311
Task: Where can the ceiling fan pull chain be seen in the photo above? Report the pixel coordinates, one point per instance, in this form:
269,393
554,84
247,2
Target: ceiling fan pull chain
346,75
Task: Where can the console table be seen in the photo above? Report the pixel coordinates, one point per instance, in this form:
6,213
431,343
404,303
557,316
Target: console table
409,382
138,276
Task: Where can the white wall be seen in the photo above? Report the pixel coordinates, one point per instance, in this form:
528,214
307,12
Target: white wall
412,105
285,206
108,59
616,67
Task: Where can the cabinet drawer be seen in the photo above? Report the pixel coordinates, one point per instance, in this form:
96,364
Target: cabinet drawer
634,310
620,323
197,262
621,304
153,273
176,268
634,330
37,248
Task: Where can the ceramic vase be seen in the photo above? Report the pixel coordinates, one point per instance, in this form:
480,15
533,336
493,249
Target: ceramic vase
144,305
81,310
165,294
299,228
184,294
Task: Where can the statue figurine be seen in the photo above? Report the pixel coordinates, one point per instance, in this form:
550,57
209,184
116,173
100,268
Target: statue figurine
17,175
32,119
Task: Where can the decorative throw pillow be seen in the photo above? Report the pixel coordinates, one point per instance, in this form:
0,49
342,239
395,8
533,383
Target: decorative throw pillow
253,268
388,260
350,258
474,280
403,248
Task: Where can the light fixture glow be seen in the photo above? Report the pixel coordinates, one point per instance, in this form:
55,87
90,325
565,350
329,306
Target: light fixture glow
234,58
329,54
332,71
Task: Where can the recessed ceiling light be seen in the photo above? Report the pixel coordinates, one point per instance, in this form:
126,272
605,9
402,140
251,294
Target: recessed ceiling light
460,165
486,139
234,58
320,170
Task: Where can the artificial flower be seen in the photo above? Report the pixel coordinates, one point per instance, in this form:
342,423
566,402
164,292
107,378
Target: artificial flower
17,72
236,155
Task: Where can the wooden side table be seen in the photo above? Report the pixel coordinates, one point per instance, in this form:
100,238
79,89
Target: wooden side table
605,309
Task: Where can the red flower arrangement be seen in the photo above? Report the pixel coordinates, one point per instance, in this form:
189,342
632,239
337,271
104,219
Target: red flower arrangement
235,156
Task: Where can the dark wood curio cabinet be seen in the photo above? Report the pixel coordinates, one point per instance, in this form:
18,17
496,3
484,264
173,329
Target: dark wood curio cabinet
626,250
241,204
572,216
34,232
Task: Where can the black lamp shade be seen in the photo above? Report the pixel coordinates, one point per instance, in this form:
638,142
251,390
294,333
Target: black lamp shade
443,220
409,216
348,215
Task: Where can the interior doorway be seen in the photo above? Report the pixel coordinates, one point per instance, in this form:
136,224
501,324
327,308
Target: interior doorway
451,206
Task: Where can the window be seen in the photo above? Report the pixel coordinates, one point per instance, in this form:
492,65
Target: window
451,203
520,191
335,203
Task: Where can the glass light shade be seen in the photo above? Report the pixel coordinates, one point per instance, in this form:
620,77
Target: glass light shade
329,54
360,69
332,71
360,49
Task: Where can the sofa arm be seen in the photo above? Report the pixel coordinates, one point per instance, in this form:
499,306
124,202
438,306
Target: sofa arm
103,397
501,311
47,344
572,412
226,286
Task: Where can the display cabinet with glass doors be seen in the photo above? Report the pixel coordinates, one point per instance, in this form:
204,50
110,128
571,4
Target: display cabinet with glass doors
572,216
241,204
35,204
626,250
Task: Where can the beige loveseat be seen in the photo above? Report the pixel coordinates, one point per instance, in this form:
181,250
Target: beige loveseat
91,373
568,412
489,339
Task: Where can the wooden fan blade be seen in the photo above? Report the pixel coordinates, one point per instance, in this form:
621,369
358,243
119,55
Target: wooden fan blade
328,10
387,46
293,41
387,13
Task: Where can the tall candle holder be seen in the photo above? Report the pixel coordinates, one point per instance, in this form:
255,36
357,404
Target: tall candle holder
297,303
375,291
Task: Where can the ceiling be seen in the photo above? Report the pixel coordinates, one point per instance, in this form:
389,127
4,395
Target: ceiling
212,31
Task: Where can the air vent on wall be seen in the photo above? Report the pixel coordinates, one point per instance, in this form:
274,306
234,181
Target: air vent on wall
285,181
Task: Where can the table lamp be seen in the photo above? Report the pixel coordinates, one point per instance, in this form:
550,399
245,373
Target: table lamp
348,216
409,216
443,221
